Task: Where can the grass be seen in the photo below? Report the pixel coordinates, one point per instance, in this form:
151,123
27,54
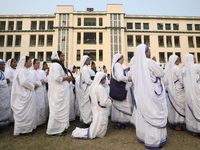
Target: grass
114,140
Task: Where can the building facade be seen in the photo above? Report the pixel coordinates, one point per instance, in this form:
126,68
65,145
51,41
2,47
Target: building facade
99,34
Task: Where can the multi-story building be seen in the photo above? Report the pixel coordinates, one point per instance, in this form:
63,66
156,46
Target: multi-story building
100,34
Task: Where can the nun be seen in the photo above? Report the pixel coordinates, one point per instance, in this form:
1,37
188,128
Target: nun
149,93
175,93
100,103
58,95
5,110
106,85
23,101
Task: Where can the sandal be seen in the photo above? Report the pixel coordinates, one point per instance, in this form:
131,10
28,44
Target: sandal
117,127
124,127
58,135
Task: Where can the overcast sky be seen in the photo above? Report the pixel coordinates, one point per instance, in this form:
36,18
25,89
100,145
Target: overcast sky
132,7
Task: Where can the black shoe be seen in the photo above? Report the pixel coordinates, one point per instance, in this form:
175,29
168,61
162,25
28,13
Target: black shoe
59,135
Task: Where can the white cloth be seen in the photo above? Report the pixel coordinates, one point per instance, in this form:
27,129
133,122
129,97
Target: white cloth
5,110
58,95
39,98
22,100
100,110
191,75
83,89
151,113
175,92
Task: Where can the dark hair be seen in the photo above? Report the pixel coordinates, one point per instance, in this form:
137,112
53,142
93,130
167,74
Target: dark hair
27,58
108,74
104,67
12,60
34,61
59,62
93,63
44,62
74,67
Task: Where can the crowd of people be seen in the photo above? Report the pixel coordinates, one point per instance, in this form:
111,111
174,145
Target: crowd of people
144,95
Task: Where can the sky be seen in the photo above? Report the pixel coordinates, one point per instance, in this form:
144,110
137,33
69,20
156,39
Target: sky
131,7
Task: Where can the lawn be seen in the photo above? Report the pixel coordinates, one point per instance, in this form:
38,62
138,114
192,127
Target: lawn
114,140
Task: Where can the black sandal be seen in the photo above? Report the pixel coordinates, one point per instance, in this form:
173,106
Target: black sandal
59,135
124,127
117,127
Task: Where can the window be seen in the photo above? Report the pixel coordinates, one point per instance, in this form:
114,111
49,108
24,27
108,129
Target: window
168,55
189,26
198,41
79,38
48,56
190,42
191,53
146,40
2,25
32,55
89,21
129,26
1,55
50,25
161,41
10,25
32,40
18,40
197,26
2,41
33,25
49,40
78,55
79,22
169,41
100,38
176,26
130,40
167,26
198,57
9,40
91,54
17,56
146,26
40,56
162,57
8,55
178,54
42,25
130,55
90,38
159,26
19,25
100,22
176,41
41,40
137,25
100,55
138,40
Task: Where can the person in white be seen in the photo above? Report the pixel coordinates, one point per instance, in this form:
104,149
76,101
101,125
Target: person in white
39,93
58,95
121,110
5,110
191,80
175,93
10,68
83,89
23,101
100,103
106,85
43,74
72,114
149,93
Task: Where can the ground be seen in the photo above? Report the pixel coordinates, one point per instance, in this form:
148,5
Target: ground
114,140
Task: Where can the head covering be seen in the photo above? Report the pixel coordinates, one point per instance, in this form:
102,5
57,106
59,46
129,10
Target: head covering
95,83
20,65
1,62
100,69
146,100
55,56
71,68
116,58
83,60
8,63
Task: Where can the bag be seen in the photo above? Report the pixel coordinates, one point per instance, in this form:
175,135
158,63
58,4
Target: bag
117,90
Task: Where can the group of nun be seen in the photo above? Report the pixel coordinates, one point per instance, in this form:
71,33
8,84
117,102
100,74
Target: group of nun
144,95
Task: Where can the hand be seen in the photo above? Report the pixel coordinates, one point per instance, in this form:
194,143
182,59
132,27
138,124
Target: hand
111,99
36,86
8,81
154,58
129,79
42,81
68,78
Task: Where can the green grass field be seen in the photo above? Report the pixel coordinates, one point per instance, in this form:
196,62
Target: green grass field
114,140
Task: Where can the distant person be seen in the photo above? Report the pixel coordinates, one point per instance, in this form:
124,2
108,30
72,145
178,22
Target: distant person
93,70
